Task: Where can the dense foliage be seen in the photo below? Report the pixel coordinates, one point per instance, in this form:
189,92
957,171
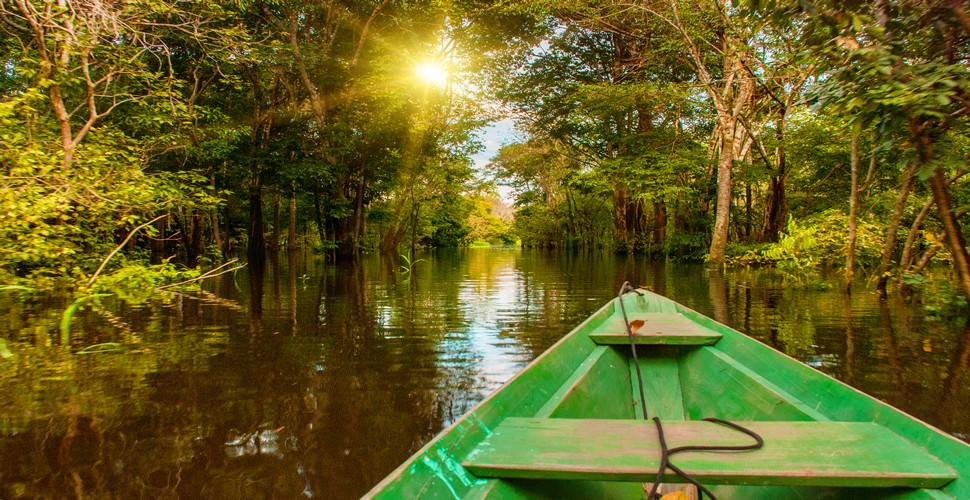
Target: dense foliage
138,132
677,127
232,125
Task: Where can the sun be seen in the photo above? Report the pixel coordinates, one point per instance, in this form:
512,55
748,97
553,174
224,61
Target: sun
432,73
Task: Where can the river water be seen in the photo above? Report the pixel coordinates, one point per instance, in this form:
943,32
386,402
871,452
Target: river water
309,379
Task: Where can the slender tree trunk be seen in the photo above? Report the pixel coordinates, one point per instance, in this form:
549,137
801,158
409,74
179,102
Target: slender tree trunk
927,256
660,223
620,206
257,243
359,217
747,211
214,220
779,200
951,228
906,260
723,209
853,213
198,242
890,243
291,242
274,245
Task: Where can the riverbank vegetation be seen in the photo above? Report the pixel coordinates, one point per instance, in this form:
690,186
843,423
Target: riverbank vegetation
216,127
794,134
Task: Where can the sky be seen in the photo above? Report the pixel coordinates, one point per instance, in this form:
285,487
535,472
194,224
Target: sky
494,136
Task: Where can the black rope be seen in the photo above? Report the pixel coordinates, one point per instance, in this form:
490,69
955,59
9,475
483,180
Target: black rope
665,452
633,345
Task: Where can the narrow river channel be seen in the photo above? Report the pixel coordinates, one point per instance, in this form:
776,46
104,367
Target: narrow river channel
309,379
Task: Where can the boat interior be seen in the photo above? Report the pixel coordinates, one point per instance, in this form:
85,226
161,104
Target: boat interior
572,424
585,441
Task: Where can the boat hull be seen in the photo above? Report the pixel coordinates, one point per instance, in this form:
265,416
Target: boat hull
692,368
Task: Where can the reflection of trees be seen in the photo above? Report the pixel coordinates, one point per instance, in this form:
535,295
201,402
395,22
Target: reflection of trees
954,396
377,395
898,395
850,340
719,296
292,256
198,407
257,273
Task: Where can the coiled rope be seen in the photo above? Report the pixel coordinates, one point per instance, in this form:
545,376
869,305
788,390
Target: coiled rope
665,452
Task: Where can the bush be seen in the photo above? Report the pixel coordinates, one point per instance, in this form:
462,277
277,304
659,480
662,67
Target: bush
816,242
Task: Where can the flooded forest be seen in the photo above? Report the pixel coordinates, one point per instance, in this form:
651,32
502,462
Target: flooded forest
271,248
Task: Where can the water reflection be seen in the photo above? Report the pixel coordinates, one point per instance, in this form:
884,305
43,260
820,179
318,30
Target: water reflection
299,378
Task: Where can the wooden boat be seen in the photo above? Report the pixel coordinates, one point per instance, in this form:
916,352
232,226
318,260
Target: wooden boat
570,425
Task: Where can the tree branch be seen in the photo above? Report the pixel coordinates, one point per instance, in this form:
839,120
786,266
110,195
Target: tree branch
119,247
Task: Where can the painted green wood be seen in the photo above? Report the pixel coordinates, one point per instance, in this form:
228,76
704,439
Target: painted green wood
795,453
829,397
748,371
661,384
434,471
656,329
715,385
655,339
599,388
516,489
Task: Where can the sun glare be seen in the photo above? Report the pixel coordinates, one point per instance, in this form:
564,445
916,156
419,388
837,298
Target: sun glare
433,73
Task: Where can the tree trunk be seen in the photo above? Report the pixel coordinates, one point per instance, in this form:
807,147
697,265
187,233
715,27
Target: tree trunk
906,260
274,245
214,220
620,206
853,213
747,211
198,242
291,233
951,227
660,223
890,243
359,216
723,210
318,216
778,201
257,244
925,259
775,209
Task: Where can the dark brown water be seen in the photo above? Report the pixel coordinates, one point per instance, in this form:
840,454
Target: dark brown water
317,380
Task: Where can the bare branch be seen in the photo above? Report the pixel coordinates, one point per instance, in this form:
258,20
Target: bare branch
119,247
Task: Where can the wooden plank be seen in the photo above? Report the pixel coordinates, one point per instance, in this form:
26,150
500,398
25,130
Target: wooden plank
654,324
599,388
858,454
656,329
655,339
661,384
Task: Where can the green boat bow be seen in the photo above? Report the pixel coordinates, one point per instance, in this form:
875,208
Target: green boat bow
570,424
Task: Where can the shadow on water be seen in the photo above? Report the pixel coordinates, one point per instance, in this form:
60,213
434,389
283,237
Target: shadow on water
299,378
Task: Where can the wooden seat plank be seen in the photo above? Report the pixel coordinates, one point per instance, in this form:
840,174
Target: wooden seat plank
657,329
661,385
653,339
795,453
